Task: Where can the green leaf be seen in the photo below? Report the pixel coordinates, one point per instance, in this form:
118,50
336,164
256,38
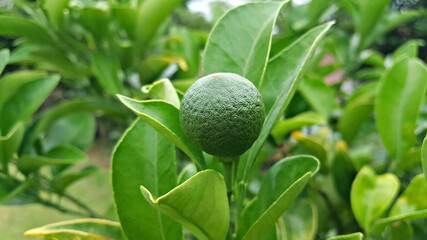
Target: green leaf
77,129
143,157
279,188
152,67
353,236
60,155
163,90
188,49
343,170
10,143
389,21
284,126
300,222
164,117
398,230
284,72
247,54
397,105
314,147
126,16
200,204
84,229
186,173
355,113
96,20
412,204
48,118
151,14
320,96
12,26
63,181
27,97
4,58
106,70
55,10
408,50
371,195
424,157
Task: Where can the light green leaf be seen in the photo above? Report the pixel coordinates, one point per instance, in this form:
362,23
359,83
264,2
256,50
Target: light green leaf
284,126
242,48
84,229
151,15
279,188
371,195
412,204
355,113
12,26
397,105
143,157
4,58
353,236
408,50
424,157
55,10
200,204
300,221
60,155
320,96
163,90
26,99
10,143
183,85
106,70
186,173
284,72
164,117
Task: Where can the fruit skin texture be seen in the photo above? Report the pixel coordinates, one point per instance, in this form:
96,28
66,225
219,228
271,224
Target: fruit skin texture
222,114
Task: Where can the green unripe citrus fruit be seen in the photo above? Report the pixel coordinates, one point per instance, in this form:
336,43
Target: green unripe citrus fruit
222,114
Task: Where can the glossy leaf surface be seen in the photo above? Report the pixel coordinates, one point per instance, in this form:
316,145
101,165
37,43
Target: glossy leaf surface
143,157
200,204
164,117
242,48
84,229
397,105
371,195
279,188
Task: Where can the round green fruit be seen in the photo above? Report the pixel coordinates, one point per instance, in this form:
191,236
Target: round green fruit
222,114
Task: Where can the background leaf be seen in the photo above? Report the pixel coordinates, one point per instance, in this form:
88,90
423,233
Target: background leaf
301,221
397,105
143,157
353,236
85,229
284,126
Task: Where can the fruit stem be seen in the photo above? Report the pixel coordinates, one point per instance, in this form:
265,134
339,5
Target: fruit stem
229,175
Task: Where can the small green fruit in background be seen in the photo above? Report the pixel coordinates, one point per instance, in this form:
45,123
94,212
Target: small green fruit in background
222,114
